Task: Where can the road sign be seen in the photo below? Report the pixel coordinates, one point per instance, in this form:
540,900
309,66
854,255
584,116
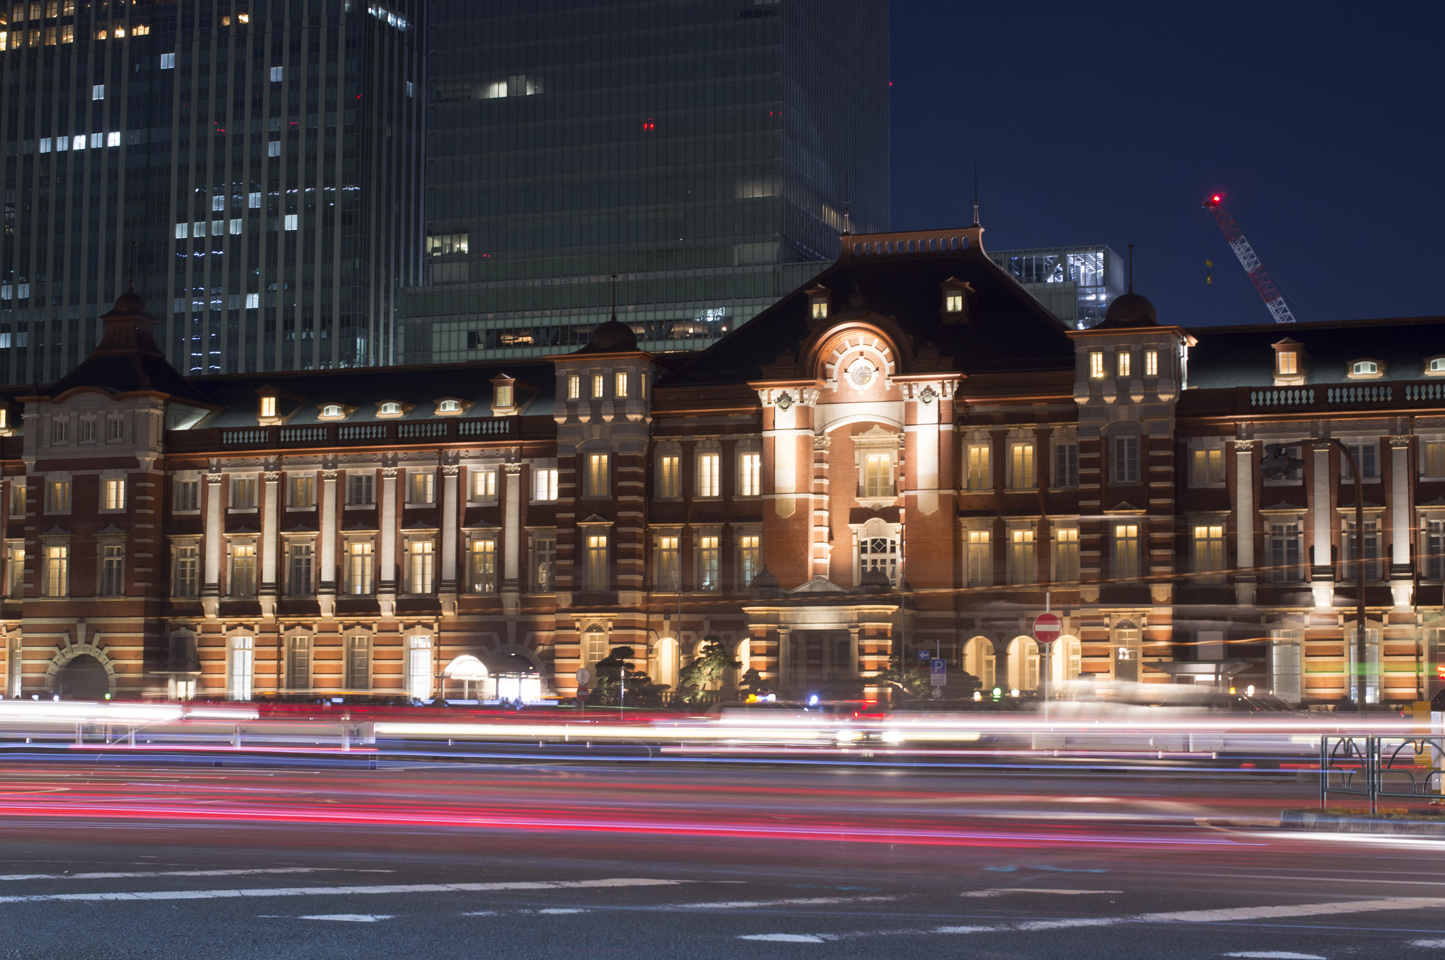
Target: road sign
925,654
938,672
1047,627
584,675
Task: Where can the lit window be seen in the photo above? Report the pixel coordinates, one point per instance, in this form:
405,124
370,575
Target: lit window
1021,466
750,475
302,492
420,564
503,399
1096,364
112,139
598,477
820,308
1123,360
621,385
877,475
1365,368
185,571
235,228
243,493
276,74
709,563
953,301
750,554
1432,458
243,569
1151,363
253,301
708,474
97,92
1437,365
97,140
421,488
253,201
544,483
1209,553
595,568
273,148
1023,558
57,571
291,221
669,476
484,566
57,496
168,61
389,409
574,387
449,406
978,558
268,406
358,567
1286,363
113,495
1126,552
598,385
484,485
1066,555
1206,466
44,144
418,667
667,564
979,475
239,668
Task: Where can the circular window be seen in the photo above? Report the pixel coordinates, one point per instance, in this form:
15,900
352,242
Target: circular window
861,372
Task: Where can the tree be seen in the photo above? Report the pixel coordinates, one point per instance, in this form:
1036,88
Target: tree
905,678
618,683
752,684
707,668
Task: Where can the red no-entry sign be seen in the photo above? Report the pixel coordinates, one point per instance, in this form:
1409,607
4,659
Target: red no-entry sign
1047,627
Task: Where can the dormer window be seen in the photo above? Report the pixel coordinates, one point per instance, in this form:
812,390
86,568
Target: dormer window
449,408
1434,367
956,296
1289,363
818,303
268,408
504,394
1286,363
953,301
332,411
1366,370
389,408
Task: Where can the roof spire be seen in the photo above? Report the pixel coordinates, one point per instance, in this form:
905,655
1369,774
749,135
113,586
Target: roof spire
614,298
1131,268
975,193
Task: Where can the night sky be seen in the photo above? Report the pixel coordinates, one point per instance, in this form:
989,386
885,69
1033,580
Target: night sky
1322,123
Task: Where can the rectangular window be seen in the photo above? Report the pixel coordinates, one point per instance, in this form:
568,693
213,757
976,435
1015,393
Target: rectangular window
1434,550
1066,465
301,492
1366,454
484,484
1126,460
59,431
1286,363
187,495
358,567
1066,555
360,489
277,73
1374,569
1209,553
544,564
87,430
598,386
669,476
544,483
238,670
291,219
15,570
1124,360
299,564
484,566
1432,458
595,564
1096,364
1023,557
709,470
877,475
243,493
979,472
243,569
574,387
57,496
1126,553
1021,466
17,499
186,566
667,565
253,301
1151,363
420,566
358,663
114,430
57,570
1284,553
1206,466
112,570
598,476
979,559
709,563
750,475
113,494
621,385
418,667
750,555
253,201
298,663
168,61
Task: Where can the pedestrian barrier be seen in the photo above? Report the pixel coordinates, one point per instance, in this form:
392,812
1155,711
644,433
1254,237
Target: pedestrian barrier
1376,767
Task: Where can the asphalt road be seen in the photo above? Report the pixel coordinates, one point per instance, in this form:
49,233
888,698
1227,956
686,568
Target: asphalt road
741,862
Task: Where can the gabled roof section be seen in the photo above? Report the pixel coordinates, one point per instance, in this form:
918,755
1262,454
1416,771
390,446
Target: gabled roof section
127,360
901,277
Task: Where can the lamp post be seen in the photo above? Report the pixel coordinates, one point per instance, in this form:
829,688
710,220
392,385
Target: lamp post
1276,463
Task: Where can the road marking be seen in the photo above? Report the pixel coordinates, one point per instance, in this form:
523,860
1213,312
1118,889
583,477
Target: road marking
785,938
181,873
400,888
1274,955
1185,916
1428,944
350,917
560,910
793,902
1000,891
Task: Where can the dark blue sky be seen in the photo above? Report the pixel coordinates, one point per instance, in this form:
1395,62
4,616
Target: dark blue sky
1322,123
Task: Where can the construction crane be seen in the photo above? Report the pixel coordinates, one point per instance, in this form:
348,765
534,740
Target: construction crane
1249,260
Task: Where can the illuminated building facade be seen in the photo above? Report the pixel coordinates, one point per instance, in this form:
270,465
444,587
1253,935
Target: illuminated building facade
907,453
702,150
255,163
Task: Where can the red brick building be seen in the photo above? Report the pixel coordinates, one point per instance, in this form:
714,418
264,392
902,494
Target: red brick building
910,454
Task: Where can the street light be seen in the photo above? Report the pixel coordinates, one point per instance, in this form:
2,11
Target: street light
1276,463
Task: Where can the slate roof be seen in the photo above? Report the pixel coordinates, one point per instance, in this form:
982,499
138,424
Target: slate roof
1007,330
1227,357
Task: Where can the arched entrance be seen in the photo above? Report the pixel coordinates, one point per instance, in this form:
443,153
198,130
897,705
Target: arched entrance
1023,664
667,662
978,659
82,678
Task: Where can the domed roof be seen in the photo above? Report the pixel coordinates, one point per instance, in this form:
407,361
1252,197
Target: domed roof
612,337
764,580
1130,310
874,581
127,304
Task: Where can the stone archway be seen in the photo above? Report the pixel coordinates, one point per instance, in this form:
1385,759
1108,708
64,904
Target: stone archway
81,672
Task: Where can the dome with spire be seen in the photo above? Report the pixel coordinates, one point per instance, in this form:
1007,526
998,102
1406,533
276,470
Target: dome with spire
611,337
1129,310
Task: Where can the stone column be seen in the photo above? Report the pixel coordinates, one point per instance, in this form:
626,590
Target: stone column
1322,572
270,544
326,594
1401,576
511,585
211,586
785,657
450,521
1244,521
386,585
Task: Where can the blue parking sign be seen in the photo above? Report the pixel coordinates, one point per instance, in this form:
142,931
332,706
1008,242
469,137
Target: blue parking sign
938,672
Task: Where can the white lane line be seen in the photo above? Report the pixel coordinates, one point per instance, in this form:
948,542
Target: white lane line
479,913
1001,891
142,874
1428,944
1273,955
785,938
1185,916
557,911
350,917
793,902
400,888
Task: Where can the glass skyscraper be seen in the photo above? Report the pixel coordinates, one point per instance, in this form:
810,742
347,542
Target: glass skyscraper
701,150
254,164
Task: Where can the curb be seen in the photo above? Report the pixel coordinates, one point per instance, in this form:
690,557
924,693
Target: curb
1339,823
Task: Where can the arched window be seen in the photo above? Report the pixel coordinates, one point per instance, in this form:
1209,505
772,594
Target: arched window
1023,664
666,654
978,660
878,550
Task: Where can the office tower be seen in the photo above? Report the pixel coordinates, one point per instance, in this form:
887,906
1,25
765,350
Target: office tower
1077,284
702,150
253,164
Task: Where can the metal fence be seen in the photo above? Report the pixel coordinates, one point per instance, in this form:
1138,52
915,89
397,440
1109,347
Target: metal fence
1376,768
